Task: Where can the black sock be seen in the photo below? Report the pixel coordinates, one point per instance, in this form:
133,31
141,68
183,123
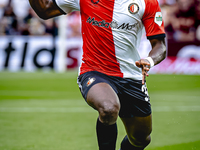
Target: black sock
126,145
106,135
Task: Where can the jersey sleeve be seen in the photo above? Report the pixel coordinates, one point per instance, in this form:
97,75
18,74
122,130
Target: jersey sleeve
67,6
152,20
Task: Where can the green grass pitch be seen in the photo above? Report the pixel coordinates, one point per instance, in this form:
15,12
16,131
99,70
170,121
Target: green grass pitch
45,111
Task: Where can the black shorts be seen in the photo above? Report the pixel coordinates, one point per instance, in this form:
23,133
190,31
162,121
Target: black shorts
132,94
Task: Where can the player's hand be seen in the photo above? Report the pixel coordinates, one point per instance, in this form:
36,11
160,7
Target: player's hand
145,65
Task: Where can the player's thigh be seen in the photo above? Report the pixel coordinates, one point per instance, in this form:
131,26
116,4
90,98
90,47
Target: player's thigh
138,128
101,96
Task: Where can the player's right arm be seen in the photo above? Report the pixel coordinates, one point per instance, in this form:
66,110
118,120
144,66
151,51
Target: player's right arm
45,9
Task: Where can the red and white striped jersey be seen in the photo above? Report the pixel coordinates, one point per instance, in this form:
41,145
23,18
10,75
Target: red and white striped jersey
111,32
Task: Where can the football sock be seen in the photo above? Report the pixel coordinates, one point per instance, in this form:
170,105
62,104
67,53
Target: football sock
106,135
126,145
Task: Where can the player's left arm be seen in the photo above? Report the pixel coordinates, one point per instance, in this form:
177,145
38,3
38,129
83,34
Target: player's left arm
154,26
158,52
156,55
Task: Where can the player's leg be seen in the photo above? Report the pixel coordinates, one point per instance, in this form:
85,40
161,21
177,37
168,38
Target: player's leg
103,98
138,131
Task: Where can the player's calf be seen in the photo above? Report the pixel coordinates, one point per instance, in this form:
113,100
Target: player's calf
106,125
106,136
138,143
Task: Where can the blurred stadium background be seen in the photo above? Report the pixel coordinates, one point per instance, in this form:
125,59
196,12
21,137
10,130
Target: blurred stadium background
41,107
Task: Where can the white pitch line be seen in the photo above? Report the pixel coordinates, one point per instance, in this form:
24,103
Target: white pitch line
87,109
175,108
48,110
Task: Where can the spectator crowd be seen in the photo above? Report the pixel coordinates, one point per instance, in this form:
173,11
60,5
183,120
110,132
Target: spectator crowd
182,20
24,22
17,18
181,17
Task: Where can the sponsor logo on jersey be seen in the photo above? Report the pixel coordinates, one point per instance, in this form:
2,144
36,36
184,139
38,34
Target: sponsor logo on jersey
94,22
113,24
158,18
133,8
95,1
127,26
90,81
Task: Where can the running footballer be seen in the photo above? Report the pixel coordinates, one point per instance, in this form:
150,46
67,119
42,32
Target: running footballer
112,74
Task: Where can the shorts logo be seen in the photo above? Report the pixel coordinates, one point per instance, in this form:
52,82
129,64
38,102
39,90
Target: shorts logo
158,18
95,1
133,8
144,90
90,81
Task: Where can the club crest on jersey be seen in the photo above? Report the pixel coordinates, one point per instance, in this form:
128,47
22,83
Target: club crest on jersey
90,81
133,8
158,18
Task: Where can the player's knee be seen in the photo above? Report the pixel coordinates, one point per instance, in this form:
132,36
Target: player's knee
108,112
140,141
